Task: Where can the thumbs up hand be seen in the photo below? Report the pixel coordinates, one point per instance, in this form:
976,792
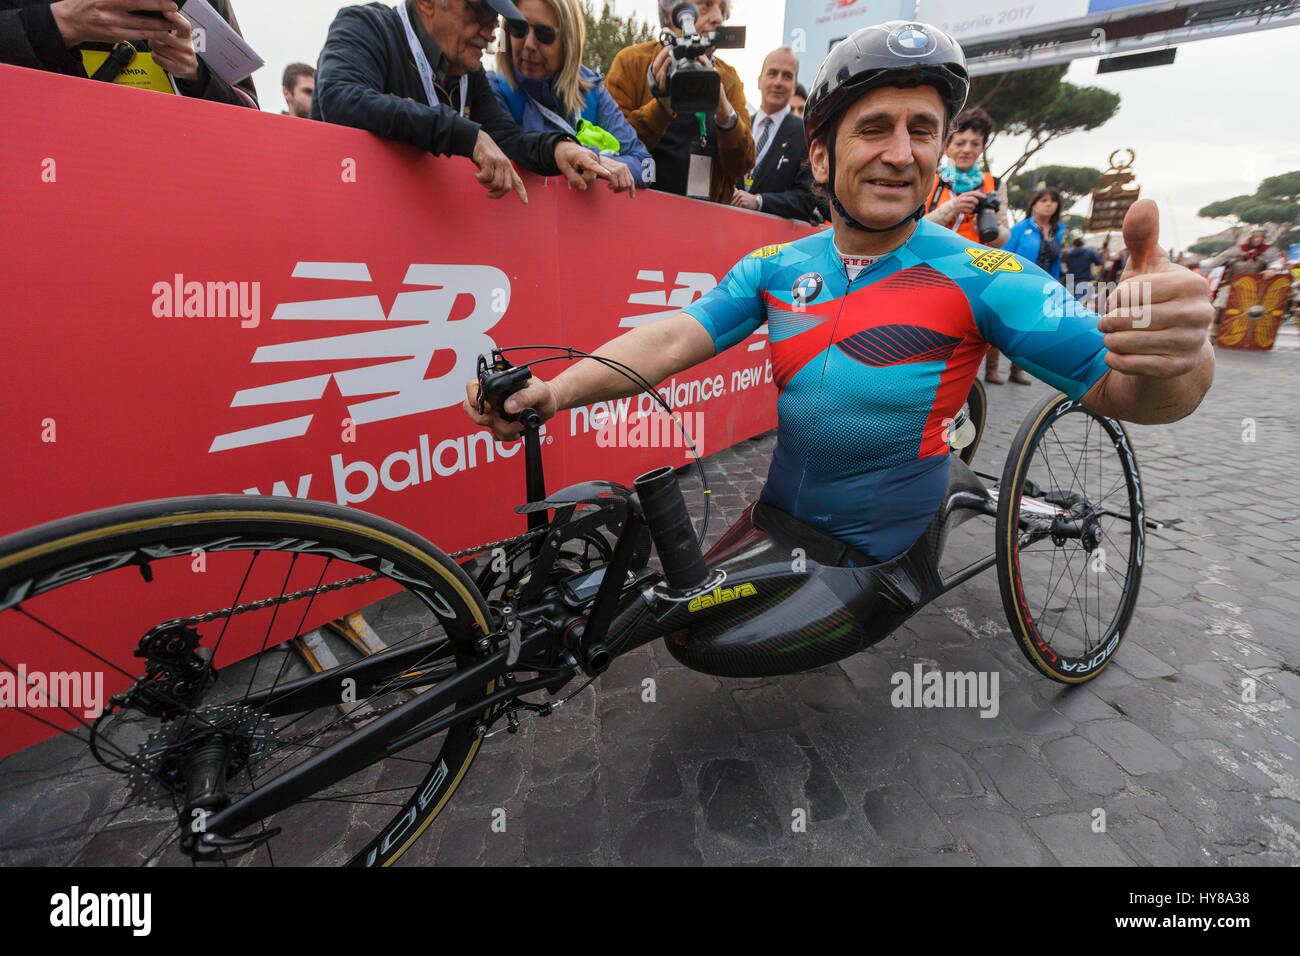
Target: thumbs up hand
1156,320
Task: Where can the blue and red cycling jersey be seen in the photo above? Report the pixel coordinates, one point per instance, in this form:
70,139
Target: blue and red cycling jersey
869,372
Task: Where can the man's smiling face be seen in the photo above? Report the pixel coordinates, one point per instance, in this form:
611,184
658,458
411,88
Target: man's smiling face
887,149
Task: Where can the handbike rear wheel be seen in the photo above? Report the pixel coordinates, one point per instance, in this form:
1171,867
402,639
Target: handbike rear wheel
220,584
1070,520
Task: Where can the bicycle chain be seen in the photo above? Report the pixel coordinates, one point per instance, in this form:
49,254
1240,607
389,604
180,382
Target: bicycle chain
336,586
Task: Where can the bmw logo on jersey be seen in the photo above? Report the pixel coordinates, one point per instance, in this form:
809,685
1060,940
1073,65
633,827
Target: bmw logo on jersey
806,288
910,40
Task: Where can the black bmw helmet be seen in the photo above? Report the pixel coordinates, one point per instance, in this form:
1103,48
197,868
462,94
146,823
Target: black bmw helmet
900,53
895,53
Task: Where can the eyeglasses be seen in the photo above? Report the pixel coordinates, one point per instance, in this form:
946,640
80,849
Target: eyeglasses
484,14
519,30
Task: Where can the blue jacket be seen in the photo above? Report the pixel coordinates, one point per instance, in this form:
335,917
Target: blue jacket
600,109
1025,240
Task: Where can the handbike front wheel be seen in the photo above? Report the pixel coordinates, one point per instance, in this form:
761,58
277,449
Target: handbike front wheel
1069,538
188,606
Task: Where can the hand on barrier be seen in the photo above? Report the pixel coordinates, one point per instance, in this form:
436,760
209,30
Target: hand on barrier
579,165
110,21
537,394
174,51
494,170
620,177
1157,318
744,200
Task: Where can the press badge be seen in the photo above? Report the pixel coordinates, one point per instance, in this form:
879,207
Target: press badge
142,72
700,176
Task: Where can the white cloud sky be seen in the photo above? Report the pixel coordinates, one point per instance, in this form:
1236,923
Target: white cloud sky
1208,127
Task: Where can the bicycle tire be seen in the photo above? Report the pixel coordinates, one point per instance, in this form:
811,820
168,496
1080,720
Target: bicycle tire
1063,655
45,570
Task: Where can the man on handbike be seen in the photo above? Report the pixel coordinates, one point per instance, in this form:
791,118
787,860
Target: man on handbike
878,326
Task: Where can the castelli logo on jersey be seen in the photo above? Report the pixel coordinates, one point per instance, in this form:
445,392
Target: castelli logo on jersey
720,595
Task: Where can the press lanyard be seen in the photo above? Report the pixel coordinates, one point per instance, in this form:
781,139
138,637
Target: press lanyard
704,129
553,116
425,70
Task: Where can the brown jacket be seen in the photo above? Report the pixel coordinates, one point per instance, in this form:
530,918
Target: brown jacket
628,85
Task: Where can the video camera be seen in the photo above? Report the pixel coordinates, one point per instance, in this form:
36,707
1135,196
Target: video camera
693,87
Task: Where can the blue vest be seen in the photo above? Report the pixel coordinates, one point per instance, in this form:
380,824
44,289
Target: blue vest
517,99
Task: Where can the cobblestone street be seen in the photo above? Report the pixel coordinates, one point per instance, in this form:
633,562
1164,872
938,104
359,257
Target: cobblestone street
716,771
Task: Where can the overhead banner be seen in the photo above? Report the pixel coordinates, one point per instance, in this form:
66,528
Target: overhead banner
967,21
819,25
214,299
811,29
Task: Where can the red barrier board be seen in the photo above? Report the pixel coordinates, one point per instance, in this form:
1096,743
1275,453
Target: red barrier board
201,298
207,299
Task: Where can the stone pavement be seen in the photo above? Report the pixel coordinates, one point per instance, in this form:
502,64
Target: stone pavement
1186,772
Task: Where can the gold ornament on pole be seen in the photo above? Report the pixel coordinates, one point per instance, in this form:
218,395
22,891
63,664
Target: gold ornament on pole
1114,194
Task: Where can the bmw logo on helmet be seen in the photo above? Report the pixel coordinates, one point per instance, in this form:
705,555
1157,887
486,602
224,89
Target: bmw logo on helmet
910,39
806,288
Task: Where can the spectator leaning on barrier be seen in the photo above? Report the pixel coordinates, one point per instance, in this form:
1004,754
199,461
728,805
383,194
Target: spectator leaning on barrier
414,73
722,137
541,81
297,86
53,36
781,181
798,100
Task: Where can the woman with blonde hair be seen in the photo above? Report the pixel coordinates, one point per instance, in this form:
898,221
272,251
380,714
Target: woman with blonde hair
541,81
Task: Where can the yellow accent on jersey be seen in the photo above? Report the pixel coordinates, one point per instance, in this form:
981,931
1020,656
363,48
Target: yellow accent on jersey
993,260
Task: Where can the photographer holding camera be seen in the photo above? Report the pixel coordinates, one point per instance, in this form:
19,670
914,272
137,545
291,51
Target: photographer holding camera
966,199
686,105
972,203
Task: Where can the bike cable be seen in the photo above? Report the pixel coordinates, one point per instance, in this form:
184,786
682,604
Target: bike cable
636,378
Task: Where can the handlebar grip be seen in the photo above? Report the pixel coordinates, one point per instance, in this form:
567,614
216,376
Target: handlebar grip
496,386
671,530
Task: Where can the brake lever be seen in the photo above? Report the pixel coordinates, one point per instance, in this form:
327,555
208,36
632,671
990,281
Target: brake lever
497,382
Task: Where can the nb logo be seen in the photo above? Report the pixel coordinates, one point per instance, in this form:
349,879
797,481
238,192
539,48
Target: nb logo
687,287
383,370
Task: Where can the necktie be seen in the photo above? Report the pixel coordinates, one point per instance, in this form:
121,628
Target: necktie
766,132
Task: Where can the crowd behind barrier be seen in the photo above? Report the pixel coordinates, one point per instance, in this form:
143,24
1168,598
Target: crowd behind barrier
414,72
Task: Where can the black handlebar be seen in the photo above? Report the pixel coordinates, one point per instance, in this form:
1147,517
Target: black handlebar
670,527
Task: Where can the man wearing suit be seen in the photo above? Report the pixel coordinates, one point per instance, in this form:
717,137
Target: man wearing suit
781,180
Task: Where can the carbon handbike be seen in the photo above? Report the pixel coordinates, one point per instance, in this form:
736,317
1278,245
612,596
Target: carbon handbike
220,737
